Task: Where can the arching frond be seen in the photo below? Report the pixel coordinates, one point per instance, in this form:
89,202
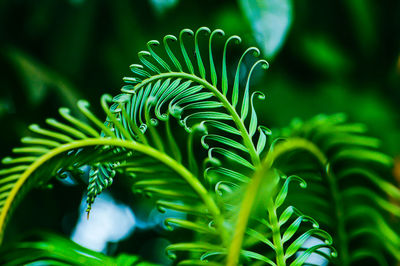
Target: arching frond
70,151
194,91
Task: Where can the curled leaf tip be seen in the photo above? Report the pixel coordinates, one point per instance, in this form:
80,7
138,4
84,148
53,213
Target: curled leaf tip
106,98
64,111
153,42
6,160
33,126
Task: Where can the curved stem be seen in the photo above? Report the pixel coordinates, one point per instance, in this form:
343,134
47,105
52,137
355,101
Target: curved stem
174,165
255,184
231,110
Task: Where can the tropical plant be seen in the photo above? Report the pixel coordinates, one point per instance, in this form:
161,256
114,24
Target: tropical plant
228,174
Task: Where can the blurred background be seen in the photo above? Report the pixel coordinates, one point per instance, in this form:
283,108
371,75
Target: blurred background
325,57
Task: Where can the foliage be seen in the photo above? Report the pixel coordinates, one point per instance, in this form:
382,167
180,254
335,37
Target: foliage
49,249
230,177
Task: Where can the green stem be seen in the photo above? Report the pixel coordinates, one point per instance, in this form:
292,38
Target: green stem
231,110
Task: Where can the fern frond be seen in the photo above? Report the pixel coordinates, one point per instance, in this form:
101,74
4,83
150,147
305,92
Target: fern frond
364,217
189,93
163,86
41,163
267,185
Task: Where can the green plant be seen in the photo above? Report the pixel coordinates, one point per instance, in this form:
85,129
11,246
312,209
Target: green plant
237,198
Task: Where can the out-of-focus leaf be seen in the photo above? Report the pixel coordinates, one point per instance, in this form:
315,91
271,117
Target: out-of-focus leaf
230,18
364,23
42,248
123,18
39,79
71,56
76,2
398,65
325,55
270,21
370,109
162,6
6,106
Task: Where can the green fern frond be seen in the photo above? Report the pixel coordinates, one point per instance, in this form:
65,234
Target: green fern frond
158,91
266,185
189,93
287,228
364,217
163,86
100,177
47,162
49,153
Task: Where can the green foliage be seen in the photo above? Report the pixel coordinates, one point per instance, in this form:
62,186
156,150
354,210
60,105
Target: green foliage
186,132
49,249
364,202
39,80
